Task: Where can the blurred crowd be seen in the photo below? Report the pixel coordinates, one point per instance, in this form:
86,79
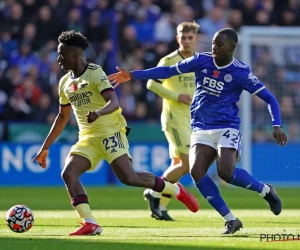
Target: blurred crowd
133,35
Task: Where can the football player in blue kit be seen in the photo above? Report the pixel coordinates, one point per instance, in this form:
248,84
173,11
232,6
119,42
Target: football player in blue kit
216,136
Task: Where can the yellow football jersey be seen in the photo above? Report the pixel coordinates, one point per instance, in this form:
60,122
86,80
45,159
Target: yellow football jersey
84,94
173,112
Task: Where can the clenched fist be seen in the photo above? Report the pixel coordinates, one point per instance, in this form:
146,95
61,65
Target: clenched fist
92,116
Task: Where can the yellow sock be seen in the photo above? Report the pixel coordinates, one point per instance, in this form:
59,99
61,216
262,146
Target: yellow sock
169,188
164,201
84,211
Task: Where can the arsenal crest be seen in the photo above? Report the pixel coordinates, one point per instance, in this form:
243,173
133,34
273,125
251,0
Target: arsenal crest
216,73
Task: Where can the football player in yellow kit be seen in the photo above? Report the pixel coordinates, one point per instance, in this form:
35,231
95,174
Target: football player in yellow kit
102,132
177,92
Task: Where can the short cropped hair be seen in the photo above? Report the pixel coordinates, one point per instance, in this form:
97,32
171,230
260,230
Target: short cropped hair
230,33
187,27
72,38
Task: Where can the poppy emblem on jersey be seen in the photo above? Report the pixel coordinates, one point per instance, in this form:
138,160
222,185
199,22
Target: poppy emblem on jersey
216,73
74,86
228,78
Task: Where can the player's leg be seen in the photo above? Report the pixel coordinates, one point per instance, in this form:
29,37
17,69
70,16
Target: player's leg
228,155
158,202
202,154
81,159
232,224
178,169
179,146
125,173
173,174
179,142
118,157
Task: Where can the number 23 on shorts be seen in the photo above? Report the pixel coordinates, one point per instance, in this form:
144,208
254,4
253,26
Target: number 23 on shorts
114,141
110,142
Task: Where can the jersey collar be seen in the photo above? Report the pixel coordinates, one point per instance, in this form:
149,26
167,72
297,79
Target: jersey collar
182,55
74,77
218,67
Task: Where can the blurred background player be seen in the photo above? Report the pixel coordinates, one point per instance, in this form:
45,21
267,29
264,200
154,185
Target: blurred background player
177,93
216,136
102,132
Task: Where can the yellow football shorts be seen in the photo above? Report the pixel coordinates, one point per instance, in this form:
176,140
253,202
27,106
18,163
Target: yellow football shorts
179,139
97,148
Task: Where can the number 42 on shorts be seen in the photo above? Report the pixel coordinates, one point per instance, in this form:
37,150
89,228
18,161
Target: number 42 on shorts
231,136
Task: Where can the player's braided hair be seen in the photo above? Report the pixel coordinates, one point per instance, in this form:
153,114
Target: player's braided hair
230,33
72,38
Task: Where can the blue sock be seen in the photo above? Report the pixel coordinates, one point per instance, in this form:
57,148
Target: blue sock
242,178
211,193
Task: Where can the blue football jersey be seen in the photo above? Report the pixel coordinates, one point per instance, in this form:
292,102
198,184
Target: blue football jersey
218,90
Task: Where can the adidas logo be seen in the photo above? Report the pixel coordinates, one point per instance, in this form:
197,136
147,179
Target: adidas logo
204,71
113,150
208,198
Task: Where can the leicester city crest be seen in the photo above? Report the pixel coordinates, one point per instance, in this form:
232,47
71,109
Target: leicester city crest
228,78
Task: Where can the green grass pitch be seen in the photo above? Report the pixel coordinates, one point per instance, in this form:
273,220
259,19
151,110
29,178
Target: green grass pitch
126,223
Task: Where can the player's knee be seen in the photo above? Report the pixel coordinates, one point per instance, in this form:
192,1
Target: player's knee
197,173
225,174
185,167
66,175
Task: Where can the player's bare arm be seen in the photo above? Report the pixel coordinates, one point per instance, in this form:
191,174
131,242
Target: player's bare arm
163,92
112,104
59,124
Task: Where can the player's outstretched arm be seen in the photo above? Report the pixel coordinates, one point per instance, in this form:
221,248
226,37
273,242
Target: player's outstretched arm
161,72
57,127
274,110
